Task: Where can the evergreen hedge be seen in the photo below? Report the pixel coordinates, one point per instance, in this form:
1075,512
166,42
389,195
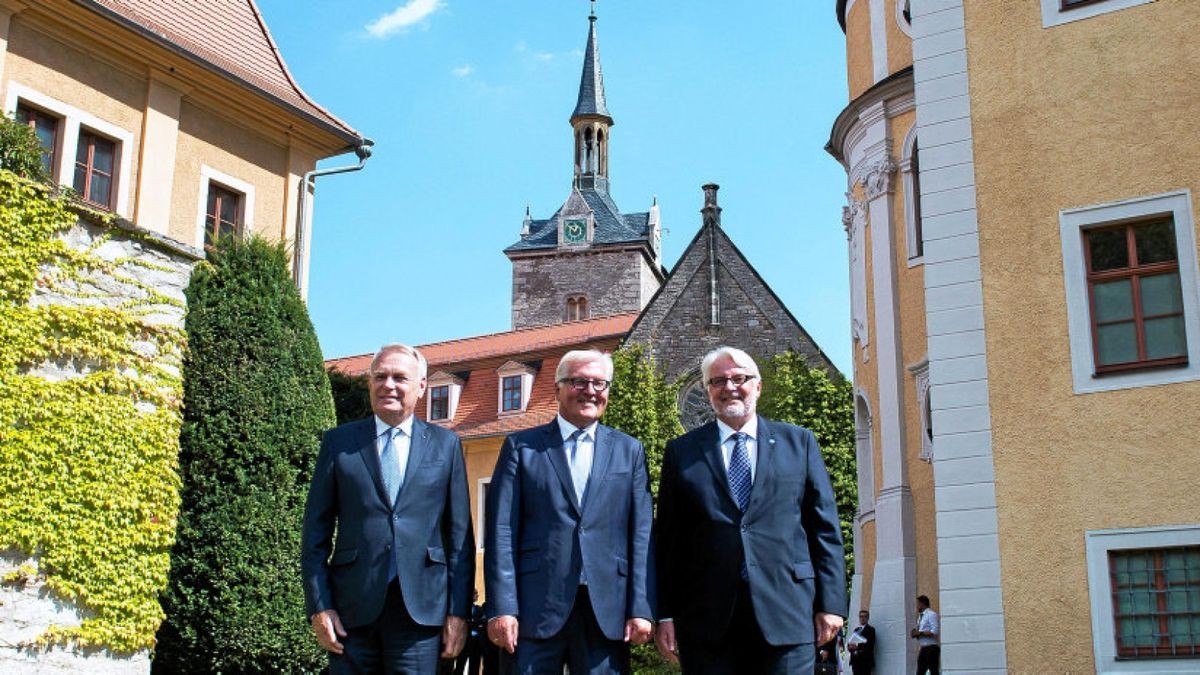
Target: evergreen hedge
256,400
351,397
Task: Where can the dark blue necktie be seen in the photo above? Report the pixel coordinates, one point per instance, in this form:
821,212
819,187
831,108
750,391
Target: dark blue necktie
739,471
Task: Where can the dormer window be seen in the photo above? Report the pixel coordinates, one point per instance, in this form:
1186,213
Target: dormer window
442,400
516,382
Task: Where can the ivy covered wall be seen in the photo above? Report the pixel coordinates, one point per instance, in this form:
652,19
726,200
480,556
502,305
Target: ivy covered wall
91,345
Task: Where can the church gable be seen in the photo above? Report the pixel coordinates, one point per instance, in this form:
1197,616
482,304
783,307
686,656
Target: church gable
682,321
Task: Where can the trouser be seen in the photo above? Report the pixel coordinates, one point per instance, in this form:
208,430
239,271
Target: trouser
929,659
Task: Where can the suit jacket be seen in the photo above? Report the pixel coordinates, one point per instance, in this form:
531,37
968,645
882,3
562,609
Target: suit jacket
789,537
864,654
539,537
427,531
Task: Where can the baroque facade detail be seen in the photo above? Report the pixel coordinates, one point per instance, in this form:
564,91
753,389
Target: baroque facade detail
854,220
880,178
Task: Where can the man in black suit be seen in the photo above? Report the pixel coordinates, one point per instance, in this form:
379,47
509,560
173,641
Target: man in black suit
751,567
566,552
397,580
861,644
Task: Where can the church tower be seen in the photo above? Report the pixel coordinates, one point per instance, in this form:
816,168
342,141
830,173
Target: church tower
588,259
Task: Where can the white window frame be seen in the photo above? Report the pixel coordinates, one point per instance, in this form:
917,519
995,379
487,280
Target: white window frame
904,26
71,120
1054,15
1072,225
920,372
443,379
510,369
1104,644
910,198
864,444
208,176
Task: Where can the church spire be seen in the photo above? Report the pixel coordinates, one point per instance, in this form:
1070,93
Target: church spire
591,120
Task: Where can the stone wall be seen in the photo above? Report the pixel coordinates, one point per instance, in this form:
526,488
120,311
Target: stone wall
27,608
610,279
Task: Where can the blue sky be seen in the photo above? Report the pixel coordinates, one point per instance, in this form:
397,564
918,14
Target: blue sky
468,101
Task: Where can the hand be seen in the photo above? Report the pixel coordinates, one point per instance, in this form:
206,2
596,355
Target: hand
915,633
502,631
638,631
827,626
853,647
664,639
327,626
454,636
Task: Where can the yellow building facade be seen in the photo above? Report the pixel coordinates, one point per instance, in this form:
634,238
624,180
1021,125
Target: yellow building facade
1027,329
179,117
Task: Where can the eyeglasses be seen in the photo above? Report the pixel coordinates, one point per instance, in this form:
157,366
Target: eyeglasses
737,380
581,383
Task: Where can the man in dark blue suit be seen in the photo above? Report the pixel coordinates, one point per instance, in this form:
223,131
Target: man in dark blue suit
566,551
751,568
398,578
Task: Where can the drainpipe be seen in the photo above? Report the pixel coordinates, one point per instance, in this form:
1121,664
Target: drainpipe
303,229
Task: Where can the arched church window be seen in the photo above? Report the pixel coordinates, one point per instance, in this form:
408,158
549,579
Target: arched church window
577,308
910,171
601,154
589,151
694,408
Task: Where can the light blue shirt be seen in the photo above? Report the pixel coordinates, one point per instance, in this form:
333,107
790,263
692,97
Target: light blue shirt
403,442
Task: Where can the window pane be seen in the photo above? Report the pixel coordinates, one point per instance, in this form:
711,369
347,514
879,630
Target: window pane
229,206
1161,294
1155,242
1114,300
1108,249
80,178
102,156
1165,338
228,229
1117,343
209,234
98,192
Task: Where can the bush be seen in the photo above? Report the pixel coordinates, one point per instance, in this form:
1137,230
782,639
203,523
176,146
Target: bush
256,400
21,150
351,398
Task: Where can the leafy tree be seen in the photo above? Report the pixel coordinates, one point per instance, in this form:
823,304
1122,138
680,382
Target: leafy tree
256,399
351,399
21,150
642,404
793,392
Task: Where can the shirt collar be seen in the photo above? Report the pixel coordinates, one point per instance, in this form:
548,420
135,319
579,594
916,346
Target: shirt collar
382,427
566,428
750,429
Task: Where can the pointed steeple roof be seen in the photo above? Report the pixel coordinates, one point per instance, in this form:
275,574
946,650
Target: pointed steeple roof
591,83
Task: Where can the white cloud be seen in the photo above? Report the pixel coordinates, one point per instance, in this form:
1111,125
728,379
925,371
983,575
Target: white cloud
404,16
463,70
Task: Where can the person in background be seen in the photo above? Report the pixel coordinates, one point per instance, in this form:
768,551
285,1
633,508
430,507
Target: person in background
861,644
928,634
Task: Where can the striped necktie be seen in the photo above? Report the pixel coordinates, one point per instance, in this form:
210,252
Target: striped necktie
389,464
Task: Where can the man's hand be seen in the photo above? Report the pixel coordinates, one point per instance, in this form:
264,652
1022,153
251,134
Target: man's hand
502,631
638,631
827,626
664,639
328,628
454,636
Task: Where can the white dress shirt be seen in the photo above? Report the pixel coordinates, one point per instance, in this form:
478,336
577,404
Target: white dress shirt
403,441
725,431
929,623
585,447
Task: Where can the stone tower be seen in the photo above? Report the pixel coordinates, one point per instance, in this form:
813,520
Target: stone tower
588,259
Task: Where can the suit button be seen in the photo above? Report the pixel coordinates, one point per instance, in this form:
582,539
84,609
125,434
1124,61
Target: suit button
745,529
582,530
388,547
396,516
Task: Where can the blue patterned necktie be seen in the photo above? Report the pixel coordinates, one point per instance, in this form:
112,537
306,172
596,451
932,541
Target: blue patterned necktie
579,467
739,471
389,464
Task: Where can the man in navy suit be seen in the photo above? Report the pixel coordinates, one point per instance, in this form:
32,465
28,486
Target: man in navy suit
566,551
751,568
397,580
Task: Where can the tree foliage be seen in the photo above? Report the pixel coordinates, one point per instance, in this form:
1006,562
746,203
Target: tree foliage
351,398
793,392
256,400
642,404
21,150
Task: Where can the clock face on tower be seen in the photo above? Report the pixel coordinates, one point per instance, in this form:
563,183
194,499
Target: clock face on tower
574,231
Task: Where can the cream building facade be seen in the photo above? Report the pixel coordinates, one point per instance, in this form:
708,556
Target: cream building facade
1024,292
180,117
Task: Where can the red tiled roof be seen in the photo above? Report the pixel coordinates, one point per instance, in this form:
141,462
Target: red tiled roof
511,343
478,404
229,35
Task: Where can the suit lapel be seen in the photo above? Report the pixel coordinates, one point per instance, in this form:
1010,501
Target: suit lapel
419,451
558,459
763,462
370,456
601,458
710,446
